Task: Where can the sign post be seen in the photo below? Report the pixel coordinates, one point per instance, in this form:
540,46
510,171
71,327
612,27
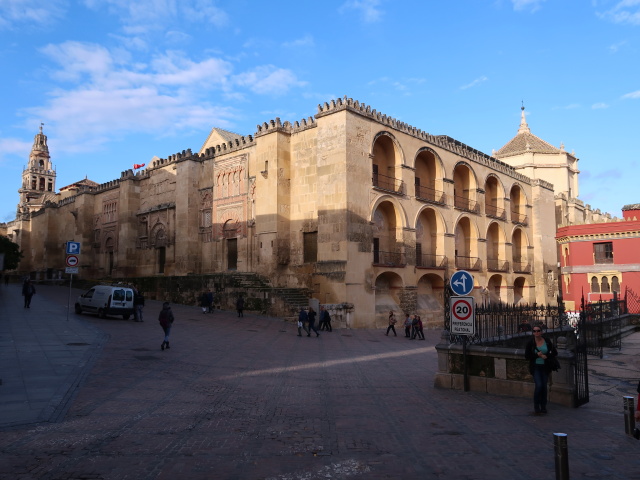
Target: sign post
72,250
463,313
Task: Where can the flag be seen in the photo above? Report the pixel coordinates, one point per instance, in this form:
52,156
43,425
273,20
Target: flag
138,165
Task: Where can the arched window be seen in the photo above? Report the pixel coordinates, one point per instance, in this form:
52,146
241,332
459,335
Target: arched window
605,285
615,284
595,286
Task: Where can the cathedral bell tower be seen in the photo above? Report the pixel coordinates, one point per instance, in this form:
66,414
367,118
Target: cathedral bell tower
39,178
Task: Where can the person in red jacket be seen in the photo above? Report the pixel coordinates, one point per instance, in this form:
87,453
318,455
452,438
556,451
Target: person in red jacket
166,322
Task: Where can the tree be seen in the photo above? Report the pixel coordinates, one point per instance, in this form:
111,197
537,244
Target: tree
11,252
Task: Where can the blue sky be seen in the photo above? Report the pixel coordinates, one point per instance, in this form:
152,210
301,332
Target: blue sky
116,82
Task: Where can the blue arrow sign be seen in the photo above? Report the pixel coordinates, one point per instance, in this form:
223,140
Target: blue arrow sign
462,283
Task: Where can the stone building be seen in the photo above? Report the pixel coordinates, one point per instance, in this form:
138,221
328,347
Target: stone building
350,204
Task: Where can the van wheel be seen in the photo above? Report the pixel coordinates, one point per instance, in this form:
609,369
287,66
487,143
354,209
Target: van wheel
126,317
78,309
101,313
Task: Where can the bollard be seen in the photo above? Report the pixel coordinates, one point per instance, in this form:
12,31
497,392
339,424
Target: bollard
562,456
629,410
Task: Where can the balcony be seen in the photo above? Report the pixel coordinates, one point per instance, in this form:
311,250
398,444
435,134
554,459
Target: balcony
519,218
468,263
521,267
496,265
495,212
388,184
431,195
389,259
466,204
431,261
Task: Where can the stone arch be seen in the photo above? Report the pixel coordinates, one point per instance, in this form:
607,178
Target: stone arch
497,287
388,296
158,236
494,202
521,290
465,187
466,243
429,174
387,160
430,300
431,229
496,247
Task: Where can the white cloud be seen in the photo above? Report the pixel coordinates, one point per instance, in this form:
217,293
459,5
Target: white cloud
268,80
14,147
633,95
617,46
104,93
600,105
143,16
531,5
367,8
16,13
306,41
474,83
624,11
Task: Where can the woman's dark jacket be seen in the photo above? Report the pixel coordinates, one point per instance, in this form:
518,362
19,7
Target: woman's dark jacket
531,354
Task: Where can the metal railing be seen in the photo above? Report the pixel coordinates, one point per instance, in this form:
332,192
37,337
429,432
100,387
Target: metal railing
427,260
520,218
495,211
388,184
496,265
496,322
521,267
468,263
389,259
464,203
430,194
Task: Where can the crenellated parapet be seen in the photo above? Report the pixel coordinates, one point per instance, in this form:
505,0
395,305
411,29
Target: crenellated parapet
304,124
175,158
443,141
273,126
103,187
228,147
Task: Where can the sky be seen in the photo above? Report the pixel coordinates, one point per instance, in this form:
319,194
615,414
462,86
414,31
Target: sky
117,82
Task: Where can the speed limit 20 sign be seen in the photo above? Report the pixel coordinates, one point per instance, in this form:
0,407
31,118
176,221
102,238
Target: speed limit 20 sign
462,316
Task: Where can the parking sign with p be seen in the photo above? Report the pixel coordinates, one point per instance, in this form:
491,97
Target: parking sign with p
73,248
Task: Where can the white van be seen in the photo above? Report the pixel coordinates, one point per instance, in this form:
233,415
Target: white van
106,300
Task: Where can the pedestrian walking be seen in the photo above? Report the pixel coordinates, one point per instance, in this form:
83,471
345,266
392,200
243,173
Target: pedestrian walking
325,319
302,319
210,300
166,322
414,326
392,324
204,302
28,291
240,306
420,330
138,305
312,320
407,326
539,351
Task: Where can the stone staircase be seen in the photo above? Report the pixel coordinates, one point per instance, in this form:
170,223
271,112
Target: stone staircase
293,298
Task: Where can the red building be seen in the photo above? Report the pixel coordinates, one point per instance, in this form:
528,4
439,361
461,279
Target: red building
599,259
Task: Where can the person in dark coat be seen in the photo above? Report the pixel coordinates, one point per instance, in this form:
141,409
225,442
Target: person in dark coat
240,306
205,302
166,322
325,320
312,321
302,319
138,305
28,291
539,351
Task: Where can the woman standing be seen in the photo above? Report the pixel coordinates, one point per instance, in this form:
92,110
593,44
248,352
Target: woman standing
166,322
392,323
539,352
